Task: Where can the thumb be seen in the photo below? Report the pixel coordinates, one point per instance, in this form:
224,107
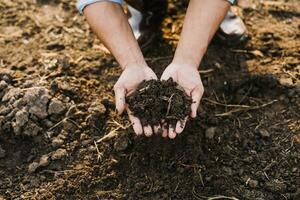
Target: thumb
196,94
120,99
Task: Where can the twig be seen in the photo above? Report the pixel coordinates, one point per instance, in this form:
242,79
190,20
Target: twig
169,105
244,108
220,197
225,105
113,133
206,71
99,157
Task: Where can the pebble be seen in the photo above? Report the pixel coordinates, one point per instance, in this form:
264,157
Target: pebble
44,161
57,142
253,183
97,108
33,167
286,82
84,136
2,152
210,132
264,133
56,107
3,85
58,154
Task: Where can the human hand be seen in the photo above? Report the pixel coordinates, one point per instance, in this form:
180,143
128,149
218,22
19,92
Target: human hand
130,78
189,79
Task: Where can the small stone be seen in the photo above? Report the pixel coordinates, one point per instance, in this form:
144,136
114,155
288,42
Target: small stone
2,152
44,161
253,183
264,133
33,167
84,136
57,142
3,85
56,107
97,107
210,132
58,154
121,144
286,82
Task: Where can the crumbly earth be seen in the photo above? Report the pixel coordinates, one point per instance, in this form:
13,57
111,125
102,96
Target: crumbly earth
244,144
156,100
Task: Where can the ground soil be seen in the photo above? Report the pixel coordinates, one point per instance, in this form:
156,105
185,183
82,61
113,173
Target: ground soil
244,144
155,101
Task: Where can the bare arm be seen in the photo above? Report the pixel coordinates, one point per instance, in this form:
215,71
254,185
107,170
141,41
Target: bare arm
201,22
110,23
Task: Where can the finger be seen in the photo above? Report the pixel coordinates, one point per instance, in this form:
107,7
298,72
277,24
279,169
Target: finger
120,99
172,133
157,129
180,125
196,97
148,131
136,123
165,130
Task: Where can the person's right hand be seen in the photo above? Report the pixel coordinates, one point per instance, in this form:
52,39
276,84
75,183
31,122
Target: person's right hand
130,78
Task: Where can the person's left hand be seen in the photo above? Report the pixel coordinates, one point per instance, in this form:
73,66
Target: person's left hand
189,79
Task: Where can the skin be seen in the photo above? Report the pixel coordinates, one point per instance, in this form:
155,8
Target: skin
201,22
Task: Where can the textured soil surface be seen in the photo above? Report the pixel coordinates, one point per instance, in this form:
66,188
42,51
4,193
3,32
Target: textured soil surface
155,100
60,137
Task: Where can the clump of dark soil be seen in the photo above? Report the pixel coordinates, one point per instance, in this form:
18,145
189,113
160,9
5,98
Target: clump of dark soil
156,100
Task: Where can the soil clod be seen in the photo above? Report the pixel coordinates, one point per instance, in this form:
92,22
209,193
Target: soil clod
156,100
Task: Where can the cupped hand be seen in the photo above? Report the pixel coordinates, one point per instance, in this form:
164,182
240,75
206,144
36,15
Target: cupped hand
129,80
189,79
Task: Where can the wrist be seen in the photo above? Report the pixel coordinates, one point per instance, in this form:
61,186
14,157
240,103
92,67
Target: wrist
134,65
185,63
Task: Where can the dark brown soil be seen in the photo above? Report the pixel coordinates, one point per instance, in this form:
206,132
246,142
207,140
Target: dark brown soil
155,101
244,144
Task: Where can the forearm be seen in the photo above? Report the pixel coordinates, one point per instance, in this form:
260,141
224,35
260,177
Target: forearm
202,20
110,24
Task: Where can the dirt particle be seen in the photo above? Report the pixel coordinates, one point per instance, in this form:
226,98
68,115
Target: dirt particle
57,142
59,154
210,132
33,167
44,161
3,85
296,138
56,107
288,82
2,152
121,144
264,133
253,183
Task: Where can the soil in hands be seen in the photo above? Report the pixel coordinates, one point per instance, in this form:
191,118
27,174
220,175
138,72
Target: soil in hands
156,100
